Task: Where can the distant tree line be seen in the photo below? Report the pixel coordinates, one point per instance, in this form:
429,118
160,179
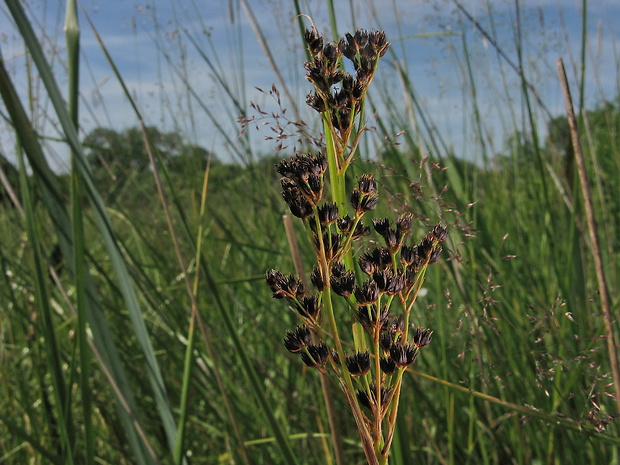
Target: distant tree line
116,156
117,152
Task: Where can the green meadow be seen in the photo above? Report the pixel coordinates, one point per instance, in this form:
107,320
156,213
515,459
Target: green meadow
136,326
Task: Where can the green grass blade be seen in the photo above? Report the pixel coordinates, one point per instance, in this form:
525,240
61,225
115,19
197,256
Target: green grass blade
175,447
257,386
62,401
32,441
72,34
124,278
53,200
102,337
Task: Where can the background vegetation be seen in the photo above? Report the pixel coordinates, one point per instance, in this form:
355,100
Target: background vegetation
121,342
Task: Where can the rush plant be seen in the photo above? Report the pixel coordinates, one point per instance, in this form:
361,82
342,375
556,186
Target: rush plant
356,326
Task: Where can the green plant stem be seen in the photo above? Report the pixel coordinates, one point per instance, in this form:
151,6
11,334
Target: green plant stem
42,303
187,370
332,19
378,417
325,385
192,295
72,34
187,366
397,385
336,172
391,423
337,178
348,383
418,285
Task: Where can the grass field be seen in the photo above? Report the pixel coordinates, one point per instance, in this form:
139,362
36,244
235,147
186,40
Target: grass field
136,325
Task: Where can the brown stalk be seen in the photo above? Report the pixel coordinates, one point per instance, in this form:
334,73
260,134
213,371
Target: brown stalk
362,428
592,228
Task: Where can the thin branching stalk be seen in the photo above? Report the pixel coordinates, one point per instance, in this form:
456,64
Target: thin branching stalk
267,51
549,418
325,385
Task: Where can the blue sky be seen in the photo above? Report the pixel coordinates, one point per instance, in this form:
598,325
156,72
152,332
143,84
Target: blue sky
163,47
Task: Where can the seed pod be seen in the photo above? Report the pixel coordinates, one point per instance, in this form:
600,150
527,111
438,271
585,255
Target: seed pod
296,340
358,364
403,354
316,355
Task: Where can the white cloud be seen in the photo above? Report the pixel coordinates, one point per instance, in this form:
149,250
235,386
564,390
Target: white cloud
435,63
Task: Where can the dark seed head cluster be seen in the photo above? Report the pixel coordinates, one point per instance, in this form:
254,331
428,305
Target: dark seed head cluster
363,49
378,296
372,293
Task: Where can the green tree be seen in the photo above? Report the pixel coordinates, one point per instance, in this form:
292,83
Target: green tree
118,152
120,157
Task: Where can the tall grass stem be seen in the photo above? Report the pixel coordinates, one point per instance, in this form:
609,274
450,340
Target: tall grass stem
72,35
53,200
593,231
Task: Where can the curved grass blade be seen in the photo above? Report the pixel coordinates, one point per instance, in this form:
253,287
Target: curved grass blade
102,337
72,35
54,203
31,440
279,434
62,401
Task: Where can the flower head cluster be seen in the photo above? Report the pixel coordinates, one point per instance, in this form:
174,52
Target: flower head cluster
302,184
332,234
325,70
378,292
392,272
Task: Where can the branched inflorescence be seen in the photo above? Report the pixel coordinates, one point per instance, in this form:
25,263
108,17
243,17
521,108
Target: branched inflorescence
379,288
339,106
